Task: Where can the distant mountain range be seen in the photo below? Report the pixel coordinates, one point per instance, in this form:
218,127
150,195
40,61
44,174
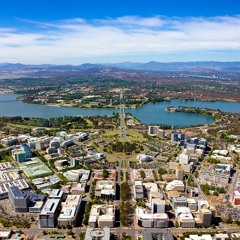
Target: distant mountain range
203,66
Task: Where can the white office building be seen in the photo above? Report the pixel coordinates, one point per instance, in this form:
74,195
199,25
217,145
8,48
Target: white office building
148,220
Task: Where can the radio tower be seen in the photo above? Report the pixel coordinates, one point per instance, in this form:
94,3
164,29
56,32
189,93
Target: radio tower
123,134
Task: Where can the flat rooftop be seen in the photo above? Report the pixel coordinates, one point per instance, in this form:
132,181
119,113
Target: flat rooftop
72,201
56,193
67,213
50,206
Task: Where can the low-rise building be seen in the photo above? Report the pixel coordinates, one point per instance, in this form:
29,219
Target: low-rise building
221,158
78,188
56,194
179,202
5,234
235,236
144,158
175,185
136,174
61,164
105,189
186,220
34,168
218,175
149,220
5,166
182,210
67,143
155,194
200,143
220,152
197,237
9,141
46,182
77,175
93,234
235,148
4,186
6,176
102,216
221,236
70,210
98,174
236,198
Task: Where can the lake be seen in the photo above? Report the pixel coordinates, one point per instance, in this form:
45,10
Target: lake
148,114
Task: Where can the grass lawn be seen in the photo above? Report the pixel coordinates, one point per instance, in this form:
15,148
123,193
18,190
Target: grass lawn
132,135
111,158
89,123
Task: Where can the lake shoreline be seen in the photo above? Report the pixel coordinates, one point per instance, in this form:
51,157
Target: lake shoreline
147,114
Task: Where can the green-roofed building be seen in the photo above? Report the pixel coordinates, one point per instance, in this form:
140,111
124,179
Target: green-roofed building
35,168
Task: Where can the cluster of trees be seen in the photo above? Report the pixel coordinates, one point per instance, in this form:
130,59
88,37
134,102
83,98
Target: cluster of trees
63,122
5,156
125,192
126,237
190,181
105,173
124,147
125,205
92,194
227,138
142,174
161,171
140,204
213,161
124,213
11,119
216,190
23,223
82,235
87,213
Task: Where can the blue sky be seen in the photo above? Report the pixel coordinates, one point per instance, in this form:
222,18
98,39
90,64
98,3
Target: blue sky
76,31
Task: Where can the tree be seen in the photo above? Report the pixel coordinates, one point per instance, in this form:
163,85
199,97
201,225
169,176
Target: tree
142,174
81,235
229,220
69,232
237,222
105,174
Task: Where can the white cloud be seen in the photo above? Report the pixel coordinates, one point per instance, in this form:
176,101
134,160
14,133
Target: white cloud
46,42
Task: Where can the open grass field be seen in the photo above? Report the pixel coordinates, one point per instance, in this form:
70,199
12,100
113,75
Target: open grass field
89,123
132,135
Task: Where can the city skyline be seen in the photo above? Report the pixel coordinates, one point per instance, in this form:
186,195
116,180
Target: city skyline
102,32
